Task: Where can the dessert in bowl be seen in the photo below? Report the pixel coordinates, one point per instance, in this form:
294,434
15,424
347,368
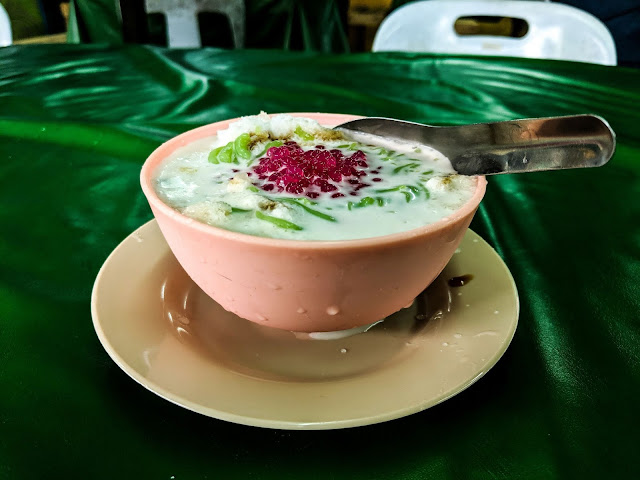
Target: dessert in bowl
286,223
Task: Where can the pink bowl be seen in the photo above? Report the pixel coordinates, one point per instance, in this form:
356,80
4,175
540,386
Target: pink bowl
306,286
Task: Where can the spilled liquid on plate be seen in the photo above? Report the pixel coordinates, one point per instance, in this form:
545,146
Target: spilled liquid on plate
460,281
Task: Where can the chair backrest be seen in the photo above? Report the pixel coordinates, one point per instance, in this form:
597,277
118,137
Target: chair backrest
555,31
5,28
182,19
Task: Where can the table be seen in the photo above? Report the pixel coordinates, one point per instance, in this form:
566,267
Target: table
76,123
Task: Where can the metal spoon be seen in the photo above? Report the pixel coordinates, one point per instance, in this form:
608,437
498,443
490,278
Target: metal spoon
527,145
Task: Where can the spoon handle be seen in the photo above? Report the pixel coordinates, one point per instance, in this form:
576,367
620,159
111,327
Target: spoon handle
513,146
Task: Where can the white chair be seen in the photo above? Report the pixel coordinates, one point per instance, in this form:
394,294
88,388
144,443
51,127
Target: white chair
555,31
5,28
182,19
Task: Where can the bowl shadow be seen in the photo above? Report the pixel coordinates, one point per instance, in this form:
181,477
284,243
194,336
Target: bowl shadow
272,354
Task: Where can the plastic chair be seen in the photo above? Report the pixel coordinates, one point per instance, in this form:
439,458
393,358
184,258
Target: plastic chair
182,19
5,28
555,31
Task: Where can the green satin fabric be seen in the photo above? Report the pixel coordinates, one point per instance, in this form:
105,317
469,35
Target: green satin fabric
77,122
279,24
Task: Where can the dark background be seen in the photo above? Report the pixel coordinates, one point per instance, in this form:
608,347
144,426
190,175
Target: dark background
309,25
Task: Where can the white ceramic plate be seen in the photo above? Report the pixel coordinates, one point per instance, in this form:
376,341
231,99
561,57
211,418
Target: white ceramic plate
165,333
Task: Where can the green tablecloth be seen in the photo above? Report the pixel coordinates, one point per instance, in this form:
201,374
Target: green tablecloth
77,122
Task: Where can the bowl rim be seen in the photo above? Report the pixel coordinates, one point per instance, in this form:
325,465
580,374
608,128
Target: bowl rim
167,148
